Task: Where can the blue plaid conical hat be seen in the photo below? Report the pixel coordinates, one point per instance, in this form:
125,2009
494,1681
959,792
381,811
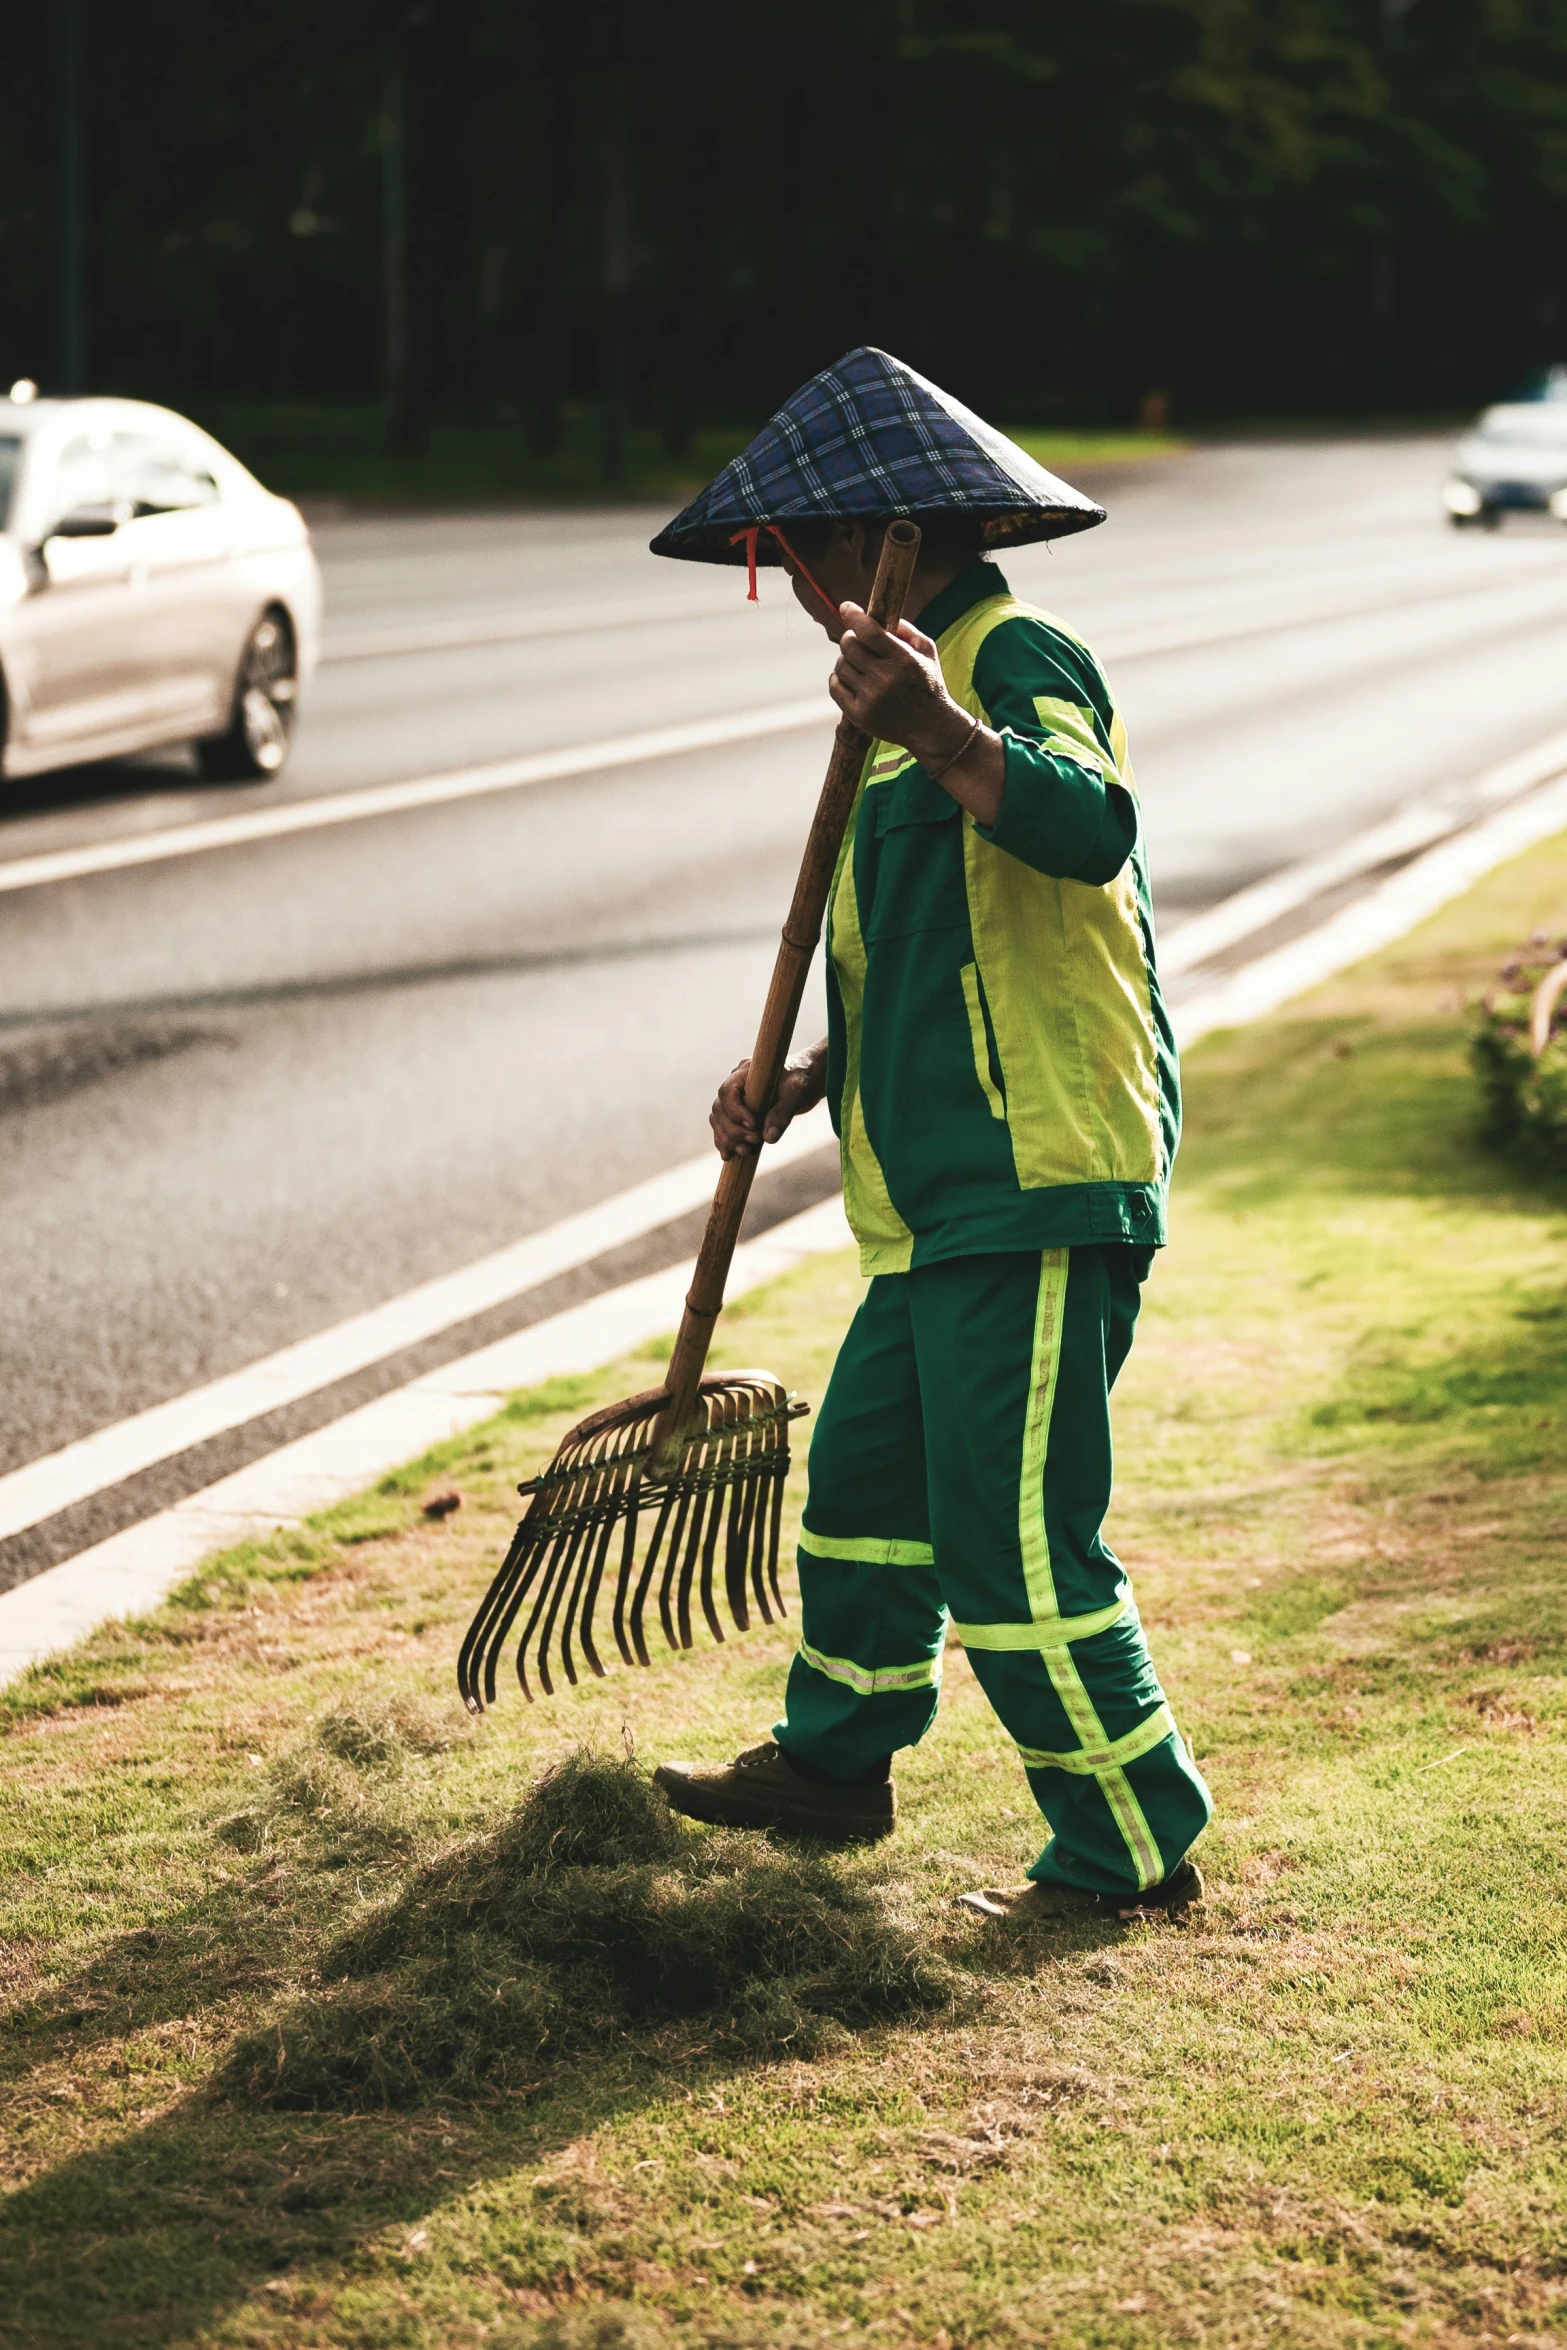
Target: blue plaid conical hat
867,439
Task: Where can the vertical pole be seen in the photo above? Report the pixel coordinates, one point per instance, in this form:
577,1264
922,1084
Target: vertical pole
70,296
617,277
394,242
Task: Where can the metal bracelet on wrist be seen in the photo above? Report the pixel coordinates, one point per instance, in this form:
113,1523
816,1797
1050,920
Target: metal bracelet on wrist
964,747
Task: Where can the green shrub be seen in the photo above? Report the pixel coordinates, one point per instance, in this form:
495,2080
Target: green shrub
1523,1101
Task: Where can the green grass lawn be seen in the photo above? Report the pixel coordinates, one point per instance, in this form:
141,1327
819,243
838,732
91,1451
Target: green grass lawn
319,450
328,2026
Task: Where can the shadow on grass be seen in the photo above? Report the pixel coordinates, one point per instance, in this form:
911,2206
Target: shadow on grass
589,1956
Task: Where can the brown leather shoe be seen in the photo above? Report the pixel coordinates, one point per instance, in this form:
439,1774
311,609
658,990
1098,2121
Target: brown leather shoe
1025,1904
760,1790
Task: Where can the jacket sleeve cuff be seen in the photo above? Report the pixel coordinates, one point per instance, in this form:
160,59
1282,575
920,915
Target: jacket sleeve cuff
1052,811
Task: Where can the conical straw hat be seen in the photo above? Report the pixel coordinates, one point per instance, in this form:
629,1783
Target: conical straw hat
867,439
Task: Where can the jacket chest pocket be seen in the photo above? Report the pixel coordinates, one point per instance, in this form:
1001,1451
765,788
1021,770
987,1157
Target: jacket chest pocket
913,879
911,798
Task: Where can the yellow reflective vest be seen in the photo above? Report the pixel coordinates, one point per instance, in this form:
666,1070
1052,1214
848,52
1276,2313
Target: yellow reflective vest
1001,1068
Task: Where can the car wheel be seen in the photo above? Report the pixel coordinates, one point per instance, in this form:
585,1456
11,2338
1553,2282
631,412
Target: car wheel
1489,518
262,727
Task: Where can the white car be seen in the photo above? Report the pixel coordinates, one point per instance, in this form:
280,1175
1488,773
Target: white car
151,592
1514,460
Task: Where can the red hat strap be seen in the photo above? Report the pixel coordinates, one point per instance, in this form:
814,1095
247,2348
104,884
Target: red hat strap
750,537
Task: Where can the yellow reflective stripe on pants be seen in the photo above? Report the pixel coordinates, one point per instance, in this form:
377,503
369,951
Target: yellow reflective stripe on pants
1129,1818
1060,1634
1090,1761
1039,1581
1033,1539
1127,1812
868,1550
878,1681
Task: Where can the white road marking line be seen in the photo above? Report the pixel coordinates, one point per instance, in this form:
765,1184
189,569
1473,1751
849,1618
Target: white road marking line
134,1570
55,1480
508,628
1416,826
420,791
1154,644
1375,920
1227,624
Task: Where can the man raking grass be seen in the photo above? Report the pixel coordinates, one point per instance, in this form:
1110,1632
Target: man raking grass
1002,1077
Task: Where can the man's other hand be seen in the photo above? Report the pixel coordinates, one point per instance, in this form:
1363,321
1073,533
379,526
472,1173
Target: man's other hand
889,682
737,1132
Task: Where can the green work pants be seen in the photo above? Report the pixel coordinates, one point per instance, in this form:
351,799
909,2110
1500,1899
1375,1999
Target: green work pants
961,1466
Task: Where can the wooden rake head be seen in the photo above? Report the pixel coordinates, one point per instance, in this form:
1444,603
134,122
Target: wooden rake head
606,1505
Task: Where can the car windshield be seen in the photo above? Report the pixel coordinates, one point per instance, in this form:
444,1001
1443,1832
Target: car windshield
10,466
1544,427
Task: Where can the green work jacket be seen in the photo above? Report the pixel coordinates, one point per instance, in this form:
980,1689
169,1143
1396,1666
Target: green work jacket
1000,1068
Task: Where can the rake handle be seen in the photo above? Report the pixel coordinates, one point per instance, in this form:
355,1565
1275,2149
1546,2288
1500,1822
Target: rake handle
802,928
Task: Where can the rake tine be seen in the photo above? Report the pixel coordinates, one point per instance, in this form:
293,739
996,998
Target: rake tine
627,1554
668,1504
715,1522
742,1520
596,1506
702,1475
727,1431
561,1581
552,1508
780,1472
547,1597
672,1549
759,1531
622,1481
532,1541
500,1584
600,1528
568,1585
682,1594
752,1567
501,1602
530,1548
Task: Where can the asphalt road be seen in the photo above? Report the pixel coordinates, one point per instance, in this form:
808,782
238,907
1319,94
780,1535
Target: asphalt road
246,1093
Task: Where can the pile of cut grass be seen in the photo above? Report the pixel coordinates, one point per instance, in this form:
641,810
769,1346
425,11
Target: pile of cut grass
590,1912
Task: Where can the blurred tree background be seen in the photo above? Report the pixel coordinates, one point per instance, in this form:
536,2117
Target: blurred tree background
496,211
